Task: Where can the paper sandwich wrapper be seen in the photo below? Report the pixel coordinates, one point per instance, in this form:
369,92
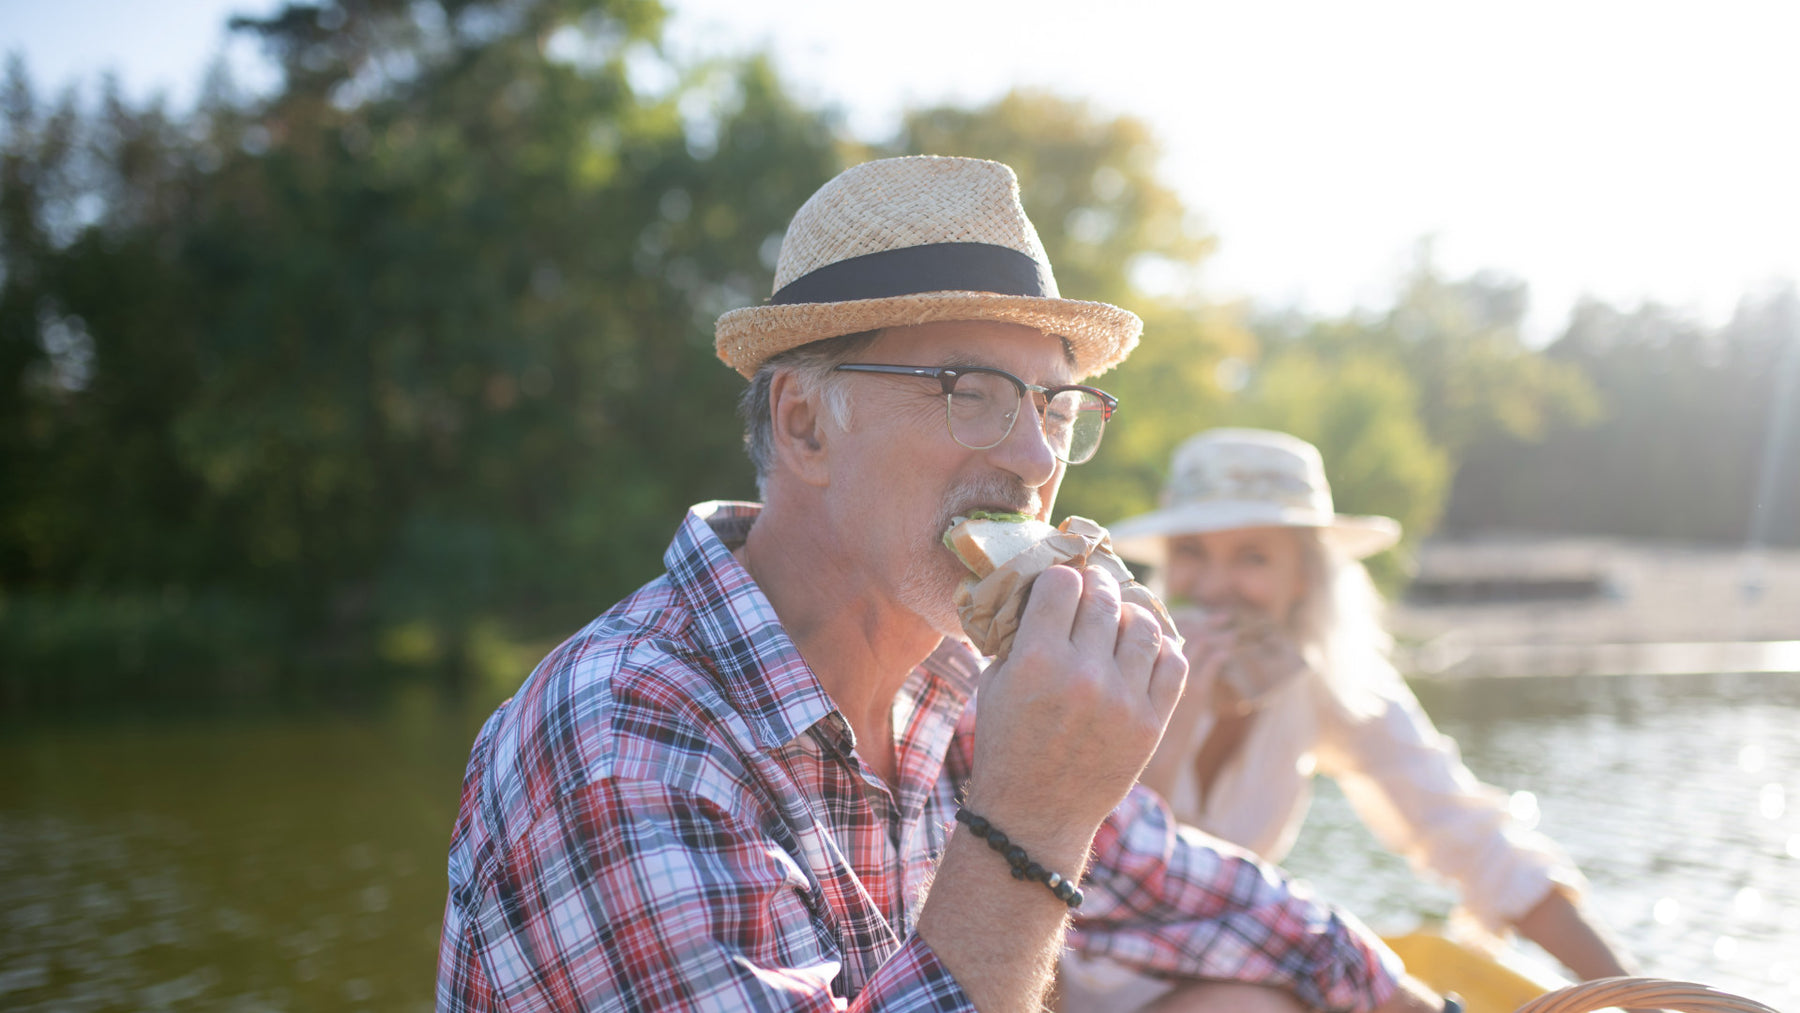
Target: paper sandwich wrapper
990,606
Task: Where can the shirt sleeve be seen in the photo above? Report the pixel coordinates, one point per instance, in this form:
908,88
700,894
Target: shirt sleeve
633,896
1167,899
1408,783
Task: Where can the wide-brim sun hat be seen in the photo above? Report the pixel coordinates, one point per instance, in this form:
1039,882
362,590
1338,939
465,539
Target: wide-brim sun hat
917,240
1224,479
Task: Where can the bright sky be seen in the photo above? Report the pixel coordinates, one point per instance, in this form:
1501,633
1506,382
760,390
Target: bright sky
1630,150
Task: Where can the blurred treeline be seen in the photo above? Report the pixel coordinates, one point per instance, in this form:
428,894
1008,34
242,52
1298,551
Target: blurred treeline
403,369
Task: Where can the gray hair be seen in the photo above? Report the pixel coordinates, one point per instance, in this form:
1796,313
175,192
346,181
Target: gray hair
815,365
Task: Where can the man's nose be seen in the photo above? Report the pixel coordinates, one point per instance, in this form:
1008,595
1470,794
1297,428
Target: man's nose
1026,451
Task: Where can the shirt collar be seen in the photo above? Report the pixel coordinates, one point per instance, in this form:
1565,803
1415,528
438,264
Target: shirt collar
760,669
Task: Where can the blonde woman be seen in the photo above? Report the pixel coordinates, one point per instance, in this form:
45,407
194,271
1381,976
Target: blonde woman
1289,679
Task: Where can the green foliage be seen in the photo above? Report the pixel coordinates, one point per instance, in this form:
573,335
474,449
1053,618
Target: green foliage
1699,423
1362,415
1169,389
424,337
1087,179
407,367
134,649
1459,343
1397,400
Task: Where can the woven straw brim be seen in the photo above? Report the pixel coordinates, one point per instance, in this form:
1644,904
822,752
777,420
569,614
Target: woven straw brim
1100,335
1142,539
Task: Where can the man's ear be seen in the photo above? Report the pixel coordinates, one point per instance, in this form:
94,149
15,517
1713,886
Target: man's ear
801,444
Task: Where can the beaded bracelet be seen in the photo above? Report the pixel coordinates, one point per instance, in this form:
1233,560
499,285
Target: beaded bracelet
1022,865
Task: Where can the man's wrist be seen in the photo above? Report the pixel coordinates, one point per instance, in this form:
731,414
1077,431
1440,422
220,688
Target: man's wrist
1023,868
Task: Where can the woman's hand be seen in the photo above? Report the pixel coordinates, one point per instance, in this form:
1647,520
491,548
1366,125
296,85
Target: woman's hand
1210,637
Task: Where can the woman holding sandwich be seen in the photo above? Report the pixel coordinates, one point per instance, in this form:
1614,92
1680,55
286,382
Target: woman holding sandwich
1289,677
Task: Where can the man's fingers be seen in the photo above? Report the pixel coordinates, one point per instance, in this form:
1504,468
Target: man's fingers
1135,593
1140,640
1168,677
1055,596
1097,620
1146,653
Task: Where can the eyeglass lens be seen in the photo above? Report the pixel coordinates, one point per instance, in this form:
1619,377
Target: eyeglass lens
983,405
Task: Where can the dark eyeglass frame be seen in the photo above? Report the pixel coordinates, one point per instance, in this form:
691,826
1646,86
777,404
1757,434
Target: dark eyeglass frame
946,377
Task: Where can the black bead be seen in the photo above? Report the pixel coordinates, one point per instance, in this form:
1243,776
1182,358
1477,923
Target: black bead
1019,863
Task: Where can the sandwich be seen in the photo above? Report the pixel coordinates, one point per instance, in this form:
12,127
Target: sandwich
986,540
1004,553
1263,657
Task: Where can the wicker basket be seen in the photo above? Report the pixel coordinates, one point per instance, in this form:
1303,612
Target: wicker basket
1642,993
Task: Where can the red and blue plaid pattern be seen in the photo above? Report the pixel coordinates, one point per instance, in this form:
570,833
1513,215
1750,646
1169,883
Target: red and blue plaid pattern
670,816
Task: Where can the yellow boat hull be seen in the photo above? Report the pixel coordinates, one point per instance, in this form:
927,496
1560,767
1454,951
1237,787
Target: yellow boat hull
1487,982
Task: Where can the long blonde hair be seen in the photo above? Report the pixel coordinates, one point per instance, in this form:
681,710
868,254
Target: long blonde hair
1339,625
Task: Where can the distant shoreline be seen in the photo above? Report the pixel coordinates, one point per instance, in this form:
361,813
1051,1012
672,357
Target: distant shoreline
1516,605
1451,660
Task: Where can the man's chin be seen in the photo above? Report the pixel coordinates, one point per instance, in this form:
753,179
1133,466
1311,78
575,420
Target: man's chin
929,590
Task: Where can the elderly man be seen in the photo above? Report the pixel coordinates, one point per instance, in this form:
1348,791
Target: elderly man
763,782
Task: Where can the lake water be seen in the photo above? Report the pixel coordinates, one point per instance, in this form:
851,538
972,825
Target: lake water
298,864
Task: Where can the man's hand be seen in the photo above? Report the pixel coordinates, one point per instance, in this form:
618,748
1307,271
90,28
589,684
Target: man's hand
1063,727
1069,719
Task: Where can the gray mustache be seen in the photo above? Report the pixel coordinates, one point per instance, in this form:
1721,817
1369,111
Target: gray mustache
989,491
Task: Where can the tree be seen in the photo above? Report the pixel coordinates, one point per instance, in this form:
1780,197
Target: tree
1459,342
1363,416
1691,416
413,355
1400,398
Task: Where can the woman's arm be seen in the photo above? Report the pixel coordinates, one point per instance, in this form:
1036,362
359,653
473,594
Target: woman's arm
1408,782
1567,932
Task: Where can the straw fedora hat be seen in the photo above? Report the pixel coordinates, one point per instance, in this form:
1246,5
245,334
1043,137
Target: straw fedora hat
917,240
1248,478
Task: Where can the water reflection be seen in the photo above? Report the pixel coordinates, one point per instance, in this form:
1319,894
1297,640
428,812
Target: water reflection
289,865
298,864
1669,791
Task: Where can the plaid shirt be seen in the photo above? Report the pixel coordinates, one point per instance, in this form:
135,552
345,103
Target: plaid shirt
670,815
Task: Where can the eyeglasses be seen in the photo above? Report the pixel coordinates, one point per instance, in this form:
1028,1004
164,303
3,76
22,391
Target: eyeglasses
981,405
